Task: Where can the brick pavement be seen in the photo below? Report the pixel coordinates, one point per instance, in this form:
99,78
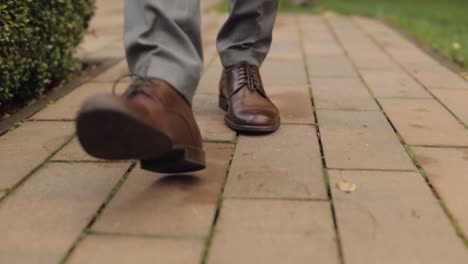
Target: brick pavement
359,104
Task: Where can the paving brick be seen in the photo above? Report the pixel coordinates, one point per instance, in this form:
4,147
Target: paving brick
361,140
67,107
314,28
313,21
28,146
208,21
425,122
455,100
107,7
322,47
285,50
441,79
114,50
372,25
216,62
256,231
356,43
392,217
113,73
41,220
362,50
210,29
376,60
210,118
73,152
209,82
210,53
426,69
285,164
414,60
108,18
213,128
446,169
411,58
285,23
283,73
113,28
312,35
116,249
285,31
93,42
294,104
284,36
390,39
206,5
406,53
393,84
165,205
108,23
343,25
342,94
385,35
330,66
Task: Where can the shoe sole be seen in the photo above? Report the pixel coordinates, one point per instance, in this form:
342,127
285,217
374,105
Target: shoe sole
177,161
107,131
224,105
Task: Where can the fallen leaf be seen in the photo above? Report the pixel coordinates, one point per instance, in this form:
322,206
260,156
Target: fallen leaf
465,75
346,186
328,13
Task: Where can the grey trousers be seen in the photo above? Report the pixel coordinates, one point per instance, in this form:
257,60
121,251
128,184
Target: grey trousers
163,39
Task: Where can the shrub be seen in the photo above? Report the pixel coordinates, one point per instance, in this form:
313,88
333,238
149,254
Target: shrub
37,38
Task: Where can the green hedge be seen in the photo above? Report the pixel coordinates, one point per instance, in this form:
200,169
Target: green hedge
37,38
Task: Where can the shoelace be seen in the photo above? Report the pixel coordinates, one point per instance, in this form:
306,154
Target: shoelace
248,76
135,86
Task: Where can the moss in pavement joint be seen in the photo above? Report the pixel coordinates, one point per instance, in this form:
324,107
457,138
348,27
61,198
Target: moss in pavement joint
219,204
35,169
87,230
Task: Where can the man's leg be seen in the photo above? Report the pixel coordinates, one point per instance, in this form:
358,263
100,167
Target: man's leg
246,36
153,120
243,44
162,40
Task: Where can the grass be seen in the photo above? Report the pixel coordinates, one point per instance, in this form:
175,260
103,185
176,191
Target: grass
441,25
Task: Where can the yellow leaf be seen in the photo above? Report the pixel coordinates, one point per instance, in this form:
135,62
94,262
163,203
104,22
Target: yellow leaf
346,186
465,75
328,13
456,45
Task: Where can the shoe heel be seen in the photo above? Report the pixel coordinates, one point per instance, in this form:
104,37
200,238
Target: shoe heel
177,161
223,102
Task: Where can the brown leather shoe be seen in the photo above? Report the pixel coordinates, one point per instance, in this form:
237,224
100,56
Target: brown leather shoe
244,99
150,122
